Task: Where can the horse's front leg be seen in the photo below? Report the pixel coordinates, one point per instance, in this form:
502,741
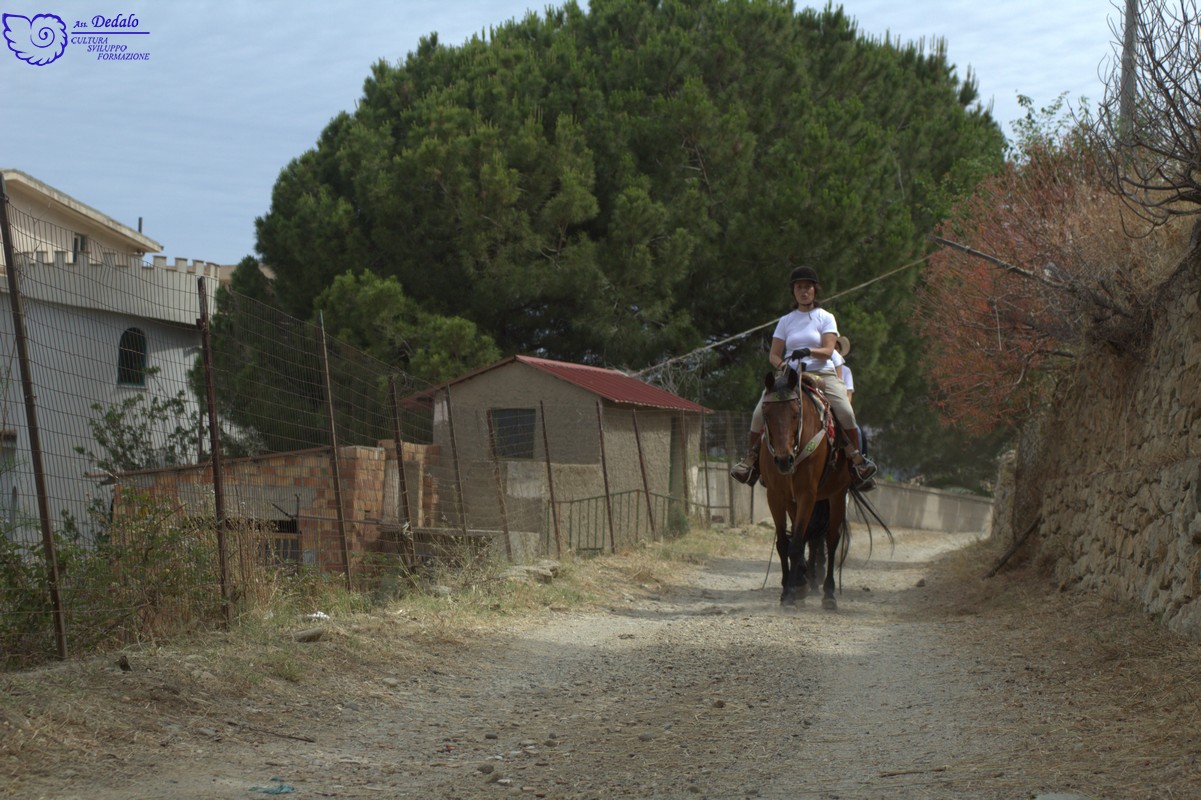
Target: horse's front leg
798,580
782,548
838,507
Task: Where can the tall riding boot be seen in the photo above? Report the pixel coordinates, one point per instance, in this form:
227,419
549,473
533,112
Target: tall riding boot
862,468
747,470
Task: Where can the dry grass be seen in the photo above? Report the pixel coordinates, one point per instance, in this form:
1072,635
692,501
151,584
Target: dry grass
91,714
1092,676
1081,674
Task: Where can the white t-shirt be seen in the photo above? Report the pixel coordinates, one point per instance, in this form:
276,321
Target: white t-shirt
805,329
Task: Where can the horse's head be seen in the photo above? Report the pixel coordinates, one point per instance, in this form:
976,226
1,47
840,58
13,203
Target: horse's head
782,419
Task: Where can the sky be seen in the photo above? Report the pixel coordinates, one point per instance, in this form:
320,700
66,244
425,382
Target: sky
191,134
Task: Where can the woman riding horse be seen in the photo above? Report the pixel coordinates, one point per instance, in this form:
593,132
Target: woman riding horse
808,334
801,467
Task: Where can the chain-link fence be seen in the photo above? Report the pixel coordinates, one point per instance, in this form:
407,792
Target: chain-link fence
171,452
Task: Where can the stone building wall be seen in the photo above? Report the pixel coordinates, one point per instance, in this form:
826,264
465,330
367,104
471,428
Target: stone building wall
1112,475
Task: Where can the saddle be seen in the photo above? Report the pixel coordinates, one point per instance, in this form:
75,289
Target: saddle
814,388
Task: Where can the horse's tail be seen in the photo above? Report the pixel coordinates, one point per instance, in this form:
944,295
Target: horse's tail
864,507
844,541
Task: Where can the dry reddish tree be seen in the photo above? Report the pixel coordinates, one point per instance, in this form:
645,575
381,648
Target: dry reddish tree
1049,254
1033,263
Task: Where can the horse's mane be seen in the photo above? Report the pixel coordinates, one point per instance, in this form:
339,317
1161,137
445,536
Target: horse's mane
782,380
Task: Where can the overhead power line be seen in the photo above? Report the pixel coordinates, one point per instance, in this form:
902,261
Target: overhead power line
749,331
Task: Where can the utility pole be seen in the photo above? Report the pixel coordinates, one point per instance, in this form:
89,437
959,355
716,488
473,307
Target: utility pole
1126,101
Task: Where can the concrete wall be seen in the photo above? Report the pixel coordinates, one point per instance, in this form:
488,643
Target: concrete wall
77,305
74,364
903,506
899,505
47,219
1110,478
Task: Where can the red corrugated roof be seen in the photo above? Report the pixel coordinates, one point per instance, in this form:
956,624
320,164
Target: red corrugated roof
607,383
612,385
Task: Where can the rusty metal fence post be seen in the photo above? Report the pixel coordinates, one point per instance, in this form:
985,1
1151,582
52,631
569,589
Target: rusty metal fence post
454,455
730,483
333,445
406,518
500,489
704,471
210,393
646,486
31,421
550,483
600,427
686,484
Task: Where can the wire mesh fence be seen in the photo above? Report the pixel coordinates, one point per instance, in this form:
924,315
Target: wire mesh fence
172,452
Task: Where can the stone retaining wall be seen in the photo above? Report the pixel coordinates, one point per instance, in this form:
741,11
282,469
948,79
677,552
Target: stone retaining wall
1112,475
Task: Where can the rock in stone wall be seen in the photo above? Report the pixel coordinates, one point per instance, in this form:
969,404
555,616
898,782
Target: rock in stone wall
1115,471
1001,523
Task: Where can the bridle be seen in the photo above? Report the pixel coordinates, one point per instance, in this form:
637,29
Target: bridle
800,411
799,451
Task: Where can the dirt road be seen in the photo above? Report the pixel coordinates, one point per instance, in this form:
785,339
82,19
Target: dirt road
923,684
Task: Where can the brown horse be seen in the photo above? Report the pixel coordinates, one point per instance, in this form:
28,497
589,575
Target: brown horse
800,466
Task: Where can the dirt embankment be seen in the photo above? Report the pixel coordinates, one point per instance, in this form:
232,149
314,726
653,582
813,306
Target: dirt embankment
927,682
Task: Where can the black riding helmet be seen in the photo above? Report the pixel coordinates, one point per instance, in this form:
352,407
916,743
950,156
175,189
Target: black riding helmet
803,274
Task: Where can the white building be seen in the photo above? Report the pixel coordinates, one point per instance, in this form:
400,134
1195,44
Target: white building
103,325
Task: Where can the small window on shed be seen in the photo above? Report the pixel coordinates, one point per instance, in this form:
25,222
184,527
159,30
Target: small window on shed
514,432
280,543
131,358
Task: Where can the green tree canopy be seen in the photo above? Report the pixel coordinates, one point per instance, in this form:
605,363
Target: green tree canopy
374,315
622,184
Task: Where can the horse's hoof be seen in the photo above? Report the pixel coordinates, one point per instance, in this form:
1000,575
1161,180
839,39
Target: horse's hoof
829,603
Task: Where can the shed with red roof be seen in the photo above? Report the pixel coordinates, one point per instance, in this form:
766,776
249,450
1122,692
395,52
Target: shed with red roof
563,456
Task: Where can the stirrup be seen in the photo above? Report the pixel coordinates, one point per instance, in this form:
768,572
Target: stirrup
865,469
862,474
746,473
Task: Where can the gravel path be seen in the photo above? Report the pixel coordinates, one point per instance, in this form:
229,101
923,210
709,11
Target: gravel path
702,689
